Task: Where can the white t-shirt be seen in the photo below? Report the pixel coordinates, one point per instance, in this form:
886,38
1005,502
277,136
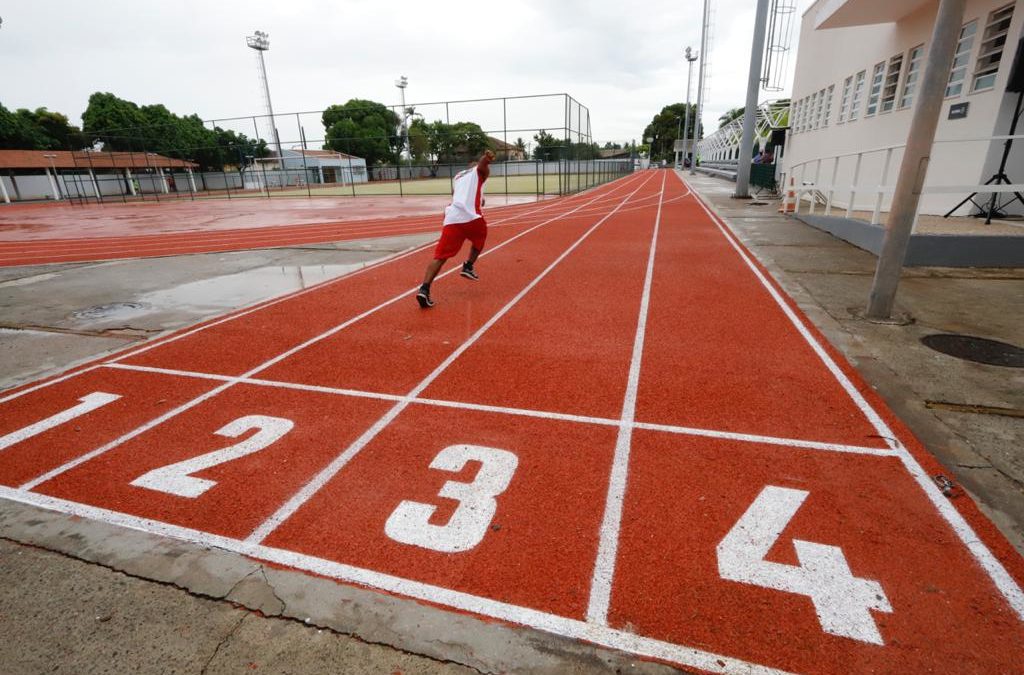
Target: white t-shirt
466,198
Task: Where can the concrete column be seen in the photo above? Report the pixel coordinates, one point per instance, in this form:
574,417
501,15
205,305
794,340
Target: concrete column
191,179
131,183
914,168
53,184
700,84
3,191
163,180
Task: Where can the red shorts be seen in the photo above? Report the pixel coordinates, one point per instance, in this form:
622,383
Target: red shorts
453,235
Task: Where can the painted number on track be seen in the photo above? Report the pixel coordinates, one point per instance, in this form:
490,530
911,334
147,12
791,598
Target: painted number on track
841,600
175,478
410,521
86,404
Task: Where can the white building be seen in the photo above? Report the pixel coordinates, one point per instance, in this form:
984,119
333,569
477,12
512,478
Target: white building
325,166
858,67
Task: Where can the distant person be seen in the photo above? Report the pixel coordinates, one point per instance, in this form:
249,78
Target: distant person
463,219
757,159
768,157
171,185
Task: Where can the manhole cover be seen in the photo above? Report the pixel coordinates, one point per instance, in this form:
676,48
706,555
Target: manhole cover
113,309
758,203
979,350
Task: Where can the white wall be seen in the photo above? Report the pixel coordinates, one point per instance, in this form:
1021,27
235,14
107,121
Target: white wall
827,57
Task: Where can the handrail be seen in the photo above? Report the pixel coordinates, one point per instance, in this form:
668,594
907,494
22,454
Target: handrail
883,148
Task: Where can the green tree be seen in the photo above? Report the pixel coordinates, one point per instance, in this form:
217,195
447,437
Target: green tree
665,126
730,115
546,146
117,123
38,129
363,128
521,147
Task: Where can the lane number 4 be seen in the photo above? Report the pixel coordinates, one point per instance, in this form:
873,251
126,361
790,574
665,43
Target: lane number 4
842,601
410,522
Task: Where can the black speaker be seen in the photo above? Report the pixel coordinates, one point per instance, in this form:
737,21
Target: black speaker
778,138
1016,81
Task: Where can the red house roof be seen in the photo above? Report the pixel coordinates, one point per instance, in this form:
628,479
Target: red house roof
65,159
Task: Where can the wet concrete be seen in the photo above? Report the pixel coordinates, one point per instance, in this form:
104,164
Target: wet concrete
55,315
830,279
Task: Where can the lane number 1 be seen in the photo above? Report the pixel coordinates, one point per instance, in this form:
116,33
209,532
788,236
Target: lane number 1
86,404
841,600
410,523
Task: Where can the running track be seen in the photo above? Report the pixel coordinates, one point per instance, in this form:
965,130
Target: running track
84,249
624,433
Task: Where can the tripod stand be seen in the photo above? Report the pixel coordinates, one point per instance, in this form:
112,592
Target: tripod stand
999,178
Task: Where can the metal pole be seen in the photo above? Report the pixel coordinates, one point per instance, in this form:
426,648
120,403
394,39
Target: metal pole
750,112
703,55
686,125
914,167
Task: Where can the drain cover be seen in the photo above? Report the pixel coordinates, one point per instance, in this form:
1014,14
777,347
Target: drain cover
113,309
979,350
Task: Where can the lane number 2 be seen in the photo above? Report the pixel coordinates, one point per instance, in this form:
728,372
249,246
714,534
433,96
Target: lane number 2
86,404
410,523
841,600
176,479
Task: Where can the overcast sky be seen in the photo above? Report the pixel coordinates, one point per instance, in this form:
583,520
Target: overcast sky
621,59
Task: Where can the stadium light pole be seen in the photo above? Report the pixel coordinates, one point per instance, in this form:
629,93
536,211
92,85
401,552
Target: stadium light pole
402,82
750,111
703,54
690,58
260,41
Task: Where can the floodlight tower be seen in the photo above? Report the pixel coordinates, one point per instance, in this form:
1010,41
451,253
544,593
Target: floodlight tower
402,82
690,58
260,41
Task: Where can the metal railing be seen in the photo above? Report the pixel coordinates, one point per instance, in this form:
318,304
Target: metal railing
831,178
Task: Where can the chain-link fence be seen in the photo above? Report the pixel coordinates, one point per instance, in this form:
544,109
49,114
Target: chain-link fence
543,145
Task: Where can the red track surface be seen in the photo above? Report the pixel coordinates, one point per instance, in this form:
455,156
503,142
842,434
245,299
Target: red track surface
623,433
45,233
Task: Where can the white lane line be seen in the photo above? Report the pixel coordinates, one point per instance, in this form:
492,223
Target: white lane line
611,523
520,412
1006,584
130,351
481,606
328,472
67,466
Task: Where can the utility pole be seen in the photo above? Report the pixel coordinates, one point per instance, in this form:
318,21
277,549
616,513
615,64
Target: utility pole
690,58
750,112
914,167
700,83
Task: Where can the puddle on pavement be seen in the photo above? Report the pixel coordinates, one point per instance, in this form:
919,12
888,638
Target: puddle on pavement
242,288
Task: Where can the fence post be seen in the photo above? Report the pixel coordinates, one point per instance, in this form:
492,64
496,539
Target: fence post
853,186
876,214
305,169
504,128
832,186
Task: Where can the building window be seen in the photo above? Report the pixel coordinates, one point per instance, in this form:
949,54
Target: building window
913,72
963,54
828,104
819,113
991,51
858,91
844,103
892,82
814,110
877,76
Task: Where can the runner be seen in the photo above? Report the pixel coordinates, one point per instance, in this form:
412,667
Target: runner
463,220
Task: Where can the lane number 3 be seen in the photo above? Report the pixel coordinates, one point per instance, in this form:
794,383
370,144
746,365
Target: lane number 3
841,600
410,522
